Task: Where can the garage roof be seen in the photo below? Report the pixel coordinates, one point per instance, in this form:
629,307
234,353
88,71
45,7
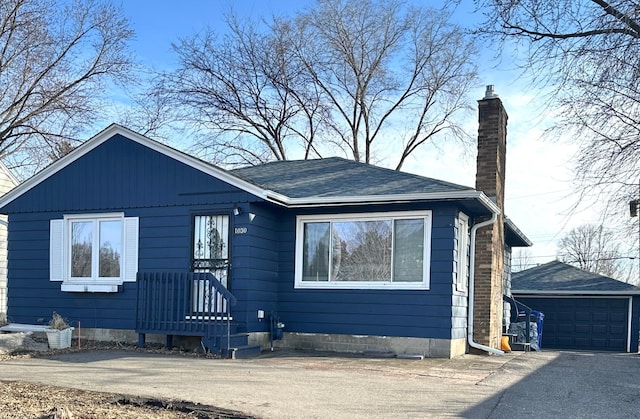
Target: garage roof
560,278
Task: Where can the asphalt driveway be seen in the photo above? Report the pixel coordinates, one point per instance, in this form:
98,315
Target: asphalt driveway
312,385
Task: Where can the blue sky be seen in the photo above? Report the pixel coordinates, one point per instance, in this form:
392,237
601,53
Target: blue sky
538,190
159,23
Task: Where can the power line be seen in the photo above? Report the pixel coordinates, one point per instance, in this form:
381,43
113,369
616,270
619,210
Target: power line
602,259
572,261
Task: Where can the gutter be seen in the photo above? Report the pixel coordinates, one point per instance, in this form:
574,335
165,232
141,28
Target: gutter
472,273
576,293
325,201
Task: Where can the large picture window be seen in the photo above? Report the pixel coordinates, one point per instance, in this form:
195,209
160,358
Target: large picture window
379,250
94,252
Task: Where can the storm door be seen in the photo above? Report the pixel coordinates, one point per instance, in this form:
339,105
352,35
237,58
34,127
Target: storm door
210,254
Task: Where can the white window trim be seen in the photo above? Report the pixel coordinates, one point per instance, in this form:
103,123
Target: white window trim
60,251
388,285
461,275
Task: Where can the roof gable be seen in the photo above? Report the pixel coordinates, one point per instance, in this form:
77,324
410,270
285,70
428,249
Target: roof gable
114,131
560,278
120,174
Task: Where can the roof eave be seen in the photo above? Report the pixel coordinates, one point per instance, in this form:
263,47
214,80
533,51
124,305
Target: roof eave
324,201
525,293
522,240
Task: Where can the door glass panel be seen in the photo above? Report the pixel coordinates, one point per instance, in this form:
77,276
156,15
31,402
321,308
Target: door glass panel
210,254
210,241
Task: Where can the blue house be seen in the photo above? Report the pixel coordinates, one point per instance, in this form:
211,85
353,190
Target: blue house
129,237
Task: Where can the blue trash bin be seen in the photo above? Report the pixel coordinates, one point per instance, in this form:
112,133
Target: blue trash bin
540,322
536,317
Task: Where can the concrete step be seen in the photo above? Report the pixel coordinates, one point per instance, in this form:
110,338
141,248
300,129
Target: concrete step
521,346
235,340
246,351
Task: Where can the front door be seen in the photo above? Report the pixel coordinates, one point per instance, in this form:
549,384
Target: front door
210,243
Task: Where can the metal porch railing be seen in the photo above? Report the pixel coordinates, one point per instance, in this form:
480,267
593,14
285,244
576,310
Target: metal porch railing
522,312
183,303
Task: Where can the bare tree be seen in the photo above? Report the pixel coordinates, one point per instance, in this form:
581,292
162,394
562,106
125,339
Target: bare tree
585,53
377,62
59,150
522,259
593,249
148,113
366,76
246,87
56,58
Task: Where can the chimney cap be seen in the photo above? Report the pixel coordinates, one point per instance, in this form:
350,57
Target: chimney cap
489,93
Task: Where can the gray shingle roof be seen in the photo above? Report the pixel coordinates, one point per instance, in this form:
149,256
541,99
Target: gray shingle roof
560,277
333,177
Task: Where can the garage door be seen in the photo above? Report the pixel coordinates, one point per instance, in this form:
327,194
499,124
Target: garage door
582,323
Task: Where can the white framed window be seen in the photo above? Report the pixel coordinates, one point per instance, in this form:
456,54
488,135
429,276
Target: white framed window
93,252
363,251
461,258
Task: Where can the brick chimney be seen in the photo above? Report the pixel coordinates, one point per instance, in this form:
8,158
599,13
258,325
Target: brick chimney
489,262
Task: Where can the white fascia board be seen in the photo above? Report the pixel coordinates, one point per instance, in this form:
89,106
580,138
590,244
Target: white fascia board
320,201
533,293
115,129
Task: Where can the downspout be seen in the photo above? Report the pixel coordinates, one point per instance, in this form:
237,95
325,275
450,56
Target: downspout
472,273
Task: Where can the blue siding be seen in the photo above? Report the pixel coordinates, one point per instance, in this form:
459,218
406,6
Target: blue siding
255,266
425,313
33,298
124,174
118,176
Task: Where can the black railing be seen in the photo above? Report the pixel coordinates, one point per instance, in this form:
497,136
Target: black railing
519,310
183,303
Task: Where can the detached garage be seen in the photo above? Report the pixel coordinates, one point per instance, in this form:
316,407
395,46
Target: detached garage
582,310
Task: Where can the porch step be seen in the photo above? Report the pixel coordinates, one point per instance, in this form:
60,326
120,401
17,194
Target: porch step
238,344
521,346
234,339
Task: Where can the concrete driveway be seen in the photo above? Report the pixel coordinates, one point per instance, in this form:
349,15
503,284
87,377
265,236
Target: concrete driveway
309,385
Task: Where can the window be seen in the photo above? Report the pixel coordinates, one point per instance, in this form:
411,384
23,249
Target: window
93,252
461,256
377,250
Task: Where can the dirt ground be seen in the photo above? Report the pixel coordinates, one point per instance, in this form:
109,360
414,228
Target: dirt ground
27,400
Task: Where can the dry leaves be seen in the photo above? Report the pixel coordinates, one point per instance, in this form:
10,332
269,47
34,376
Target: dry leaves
27,400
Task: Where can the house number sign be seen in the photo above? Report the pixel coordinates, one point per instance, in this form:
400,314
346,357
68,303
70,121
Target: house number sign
240,230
